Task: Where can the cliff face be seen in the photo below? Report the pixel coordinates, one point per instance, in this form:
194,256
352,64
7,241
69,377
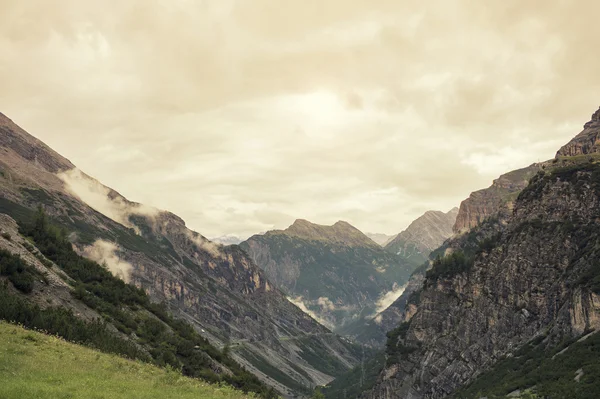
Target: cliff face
218,289
586,142
336,271
423,236
524,280
498,198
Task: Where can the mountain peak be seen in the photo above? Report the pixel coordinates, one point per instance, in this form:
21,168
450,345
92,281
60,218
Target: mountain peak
586,142
340,232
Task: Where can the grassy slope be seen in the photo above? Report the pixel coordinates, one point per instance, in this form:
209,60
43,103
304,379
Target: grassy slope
35,365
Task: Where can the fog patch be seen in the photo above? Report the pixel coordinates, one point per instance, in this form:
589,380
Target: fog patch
98,196
378,319
326,303
298,301
105,253
212,248
389,297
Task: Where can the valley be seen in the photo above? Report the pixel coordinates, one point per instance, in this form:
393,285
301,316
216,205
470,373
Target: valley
456,298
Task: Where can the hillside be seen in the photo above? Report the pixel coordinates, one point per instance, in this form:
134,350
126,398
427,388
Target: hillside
508,297
423,235
35,365
218,290
338,273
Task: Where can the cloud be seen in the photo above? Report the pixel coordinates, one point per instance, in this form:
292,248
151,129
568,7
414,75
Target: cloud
102,199
326,303
241,116
105,253
299,301
213,248
386,299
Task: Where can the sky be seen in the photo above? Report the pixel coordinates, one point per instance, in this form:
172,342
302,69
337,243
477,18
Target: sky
241,116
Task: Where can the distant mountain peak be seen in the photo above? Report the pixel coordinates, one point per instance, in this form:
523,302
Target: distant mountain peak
423,235
341,232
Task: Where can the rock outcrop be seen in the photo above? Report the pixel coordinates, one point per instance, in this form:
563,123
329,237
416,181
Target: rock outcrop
586,142
498,198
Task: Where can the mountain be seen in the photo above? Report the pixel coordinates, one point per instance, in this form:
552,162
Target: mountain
219,290
586,142
499,197
423,235
227,240
379,238
336,272
514,306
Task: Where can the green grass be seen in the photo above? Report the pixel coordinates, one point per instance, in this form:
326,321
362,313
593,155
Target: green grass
35,365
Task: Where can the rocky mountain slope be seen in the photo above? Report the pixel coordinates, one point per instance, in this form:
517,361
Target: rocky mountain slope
336,272
218,289
423,235
522,285
499,197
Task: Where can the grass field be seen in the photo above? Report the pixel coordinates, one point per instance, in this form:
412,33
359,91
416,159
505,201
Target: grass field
35,365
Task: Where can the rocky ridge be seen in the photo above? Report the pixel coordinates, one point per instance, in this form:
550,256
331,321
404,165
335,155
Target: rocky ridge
423,235
528,275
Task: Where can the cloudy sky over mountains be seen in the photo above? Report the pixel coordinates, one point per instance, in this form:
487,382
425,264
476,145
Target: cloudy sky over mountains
243,115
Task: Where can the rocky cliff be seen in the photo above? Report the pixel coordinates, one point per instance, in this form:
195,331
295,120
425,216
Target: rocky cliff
336,272
523,286
498,198
218,289
423,235
586,142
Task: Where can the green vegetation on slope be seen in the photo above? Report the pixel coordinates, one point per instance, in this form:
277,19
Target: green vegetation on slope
358,380
168,341
553,373
18,272
35,365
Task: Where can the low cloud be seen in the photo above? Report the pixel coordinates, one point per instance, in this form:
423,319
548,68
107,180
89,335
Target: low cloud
105,253
99,197
326,303
389,297
212,248
298,301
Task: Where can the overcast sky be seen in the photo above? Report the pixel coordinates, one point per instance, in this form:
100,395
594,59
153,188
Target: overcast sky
243,115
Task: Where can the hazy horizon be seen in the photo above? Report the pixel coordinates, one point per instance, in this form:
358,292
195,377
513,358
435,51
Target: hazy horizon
241,116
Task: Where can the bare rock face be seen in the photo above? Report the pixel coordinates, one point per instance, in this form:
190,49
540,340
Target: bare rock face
525,287
497,198
423,235
586,142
